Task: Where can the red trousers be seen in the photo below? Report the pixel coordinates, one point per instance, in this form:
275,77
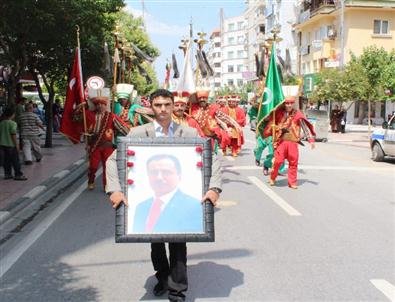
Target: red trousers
234,145
100,154
286,150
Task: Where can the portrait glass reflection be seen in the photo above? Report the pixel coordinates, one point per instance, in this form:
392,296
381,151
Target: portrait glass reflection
165,197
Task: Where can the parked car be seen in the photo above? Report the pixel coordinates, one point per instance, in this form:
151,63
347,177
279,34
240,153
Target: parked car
382,141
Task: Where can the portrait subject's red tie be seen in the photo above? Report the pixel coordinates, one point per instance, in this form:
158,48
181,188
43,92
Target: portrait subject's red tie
154,214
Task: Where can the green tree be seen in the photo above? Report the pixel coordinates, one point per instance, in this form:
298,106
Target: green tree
40,36
131,31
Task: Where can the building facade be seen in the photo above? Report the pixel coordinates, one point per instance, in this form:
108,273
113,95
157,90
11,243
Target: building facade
233,53
214,55
327,34
254,16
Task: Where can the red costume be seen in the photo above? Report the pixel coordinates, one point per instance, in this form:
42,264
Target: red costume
100,131
206,118
237,114
286,139
186,120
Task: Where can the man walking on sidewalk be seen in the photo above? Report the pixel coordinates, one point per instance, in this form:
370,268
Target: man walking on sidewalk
9,145
30,131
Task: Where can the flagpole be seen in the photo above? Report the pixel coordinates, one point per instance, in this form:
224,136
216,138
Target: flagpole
83,107
115,69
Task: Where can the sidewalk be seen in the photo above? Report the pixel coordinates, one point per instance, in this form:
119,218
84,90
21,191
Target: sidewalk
356,135
59,157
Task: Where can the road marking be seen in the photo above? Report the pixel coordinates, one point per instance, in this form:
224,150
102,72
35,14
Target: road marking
34,192
4,215
385,287
275,197
307,167
229,158
12,257
78,162
61,174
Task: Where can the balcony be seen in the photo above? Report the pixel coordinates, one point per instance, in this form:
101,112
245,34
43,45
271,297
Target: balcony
313,7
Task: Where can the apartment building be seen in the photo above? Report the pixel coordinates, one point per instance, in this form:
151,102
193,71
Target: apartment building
283,14
233,54
320,36
255,30
214,54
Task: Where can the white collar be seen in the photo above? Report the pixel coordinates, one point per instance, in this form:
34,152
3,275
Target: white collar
166,198
159,130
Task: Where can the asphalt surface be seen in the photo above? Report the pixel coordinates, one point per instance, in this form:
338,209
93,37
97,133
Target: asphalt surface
330,240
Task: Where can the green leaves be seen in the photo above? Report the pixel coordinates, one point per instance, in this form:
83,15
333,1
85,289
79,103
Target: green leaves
367,77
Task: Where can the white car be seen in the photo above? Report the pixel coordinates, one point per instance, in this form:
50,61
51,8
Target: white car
382,141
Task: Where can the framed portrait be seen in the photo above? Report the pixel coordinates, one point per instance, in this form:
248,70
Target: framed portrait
164,180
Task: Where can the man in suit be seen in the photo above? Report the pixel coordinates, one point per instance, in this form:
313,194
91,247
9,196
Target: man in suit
170,210
171,273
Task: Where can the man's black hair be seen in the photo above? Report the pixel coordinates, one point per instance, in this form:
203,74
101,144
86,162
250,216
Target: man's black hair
166,156
163,93
9,111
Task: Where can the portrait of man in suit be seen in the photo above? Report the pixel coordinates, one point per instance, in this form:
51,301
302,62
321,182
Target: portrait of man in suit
169,210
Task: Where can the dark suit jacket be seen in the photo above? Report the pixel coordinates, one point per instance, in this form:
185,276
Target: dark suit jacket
183,213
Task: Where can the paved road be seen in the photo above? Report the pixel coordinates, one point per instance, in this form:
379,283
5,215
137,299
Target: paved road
330,240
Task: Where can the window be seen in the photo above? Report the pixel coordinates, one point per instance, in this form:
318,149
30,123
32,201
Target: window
231,40
323,32
230,54
231,26
239,82
240,54
217,84
218,54
218,44
217,64
239,68
262,28
240,40
230,82
230,68
380,27
240,25
217,75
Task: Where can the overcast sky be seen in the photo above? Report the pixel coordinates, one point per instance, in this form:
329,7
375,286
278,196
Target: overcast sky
167,21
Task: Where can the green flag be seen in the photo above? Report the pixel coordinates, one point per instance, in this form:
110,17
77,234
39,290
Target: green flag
273,94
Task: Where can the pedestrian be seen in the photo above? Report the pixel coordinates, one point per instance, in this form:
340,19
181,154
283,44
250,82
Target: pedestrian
30,132
56,113
39,112
171,273
101,127
288,125
343,121
335,119
9,145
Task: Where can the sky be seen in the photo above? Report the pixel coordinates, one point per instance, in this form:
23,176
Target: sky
167,22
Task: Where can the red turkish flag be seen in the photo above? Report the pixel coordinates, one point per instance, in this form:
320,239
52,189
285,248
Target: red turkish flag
74,96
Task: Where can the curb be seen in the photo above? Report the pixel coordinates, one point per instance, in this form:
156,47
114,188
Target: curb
22,210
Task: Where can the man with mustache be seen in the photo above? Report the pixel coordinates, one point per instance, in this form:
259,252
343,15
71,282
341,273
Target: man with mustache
179,113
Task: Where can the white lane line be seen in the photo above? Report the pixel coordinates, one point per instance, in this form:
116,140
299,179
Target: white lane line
12,257
385,287
34,192
273,196
307,167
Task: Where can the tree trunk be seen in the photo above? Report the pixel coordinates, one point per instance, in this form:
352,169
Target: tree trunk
361,112
49,117
11,89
